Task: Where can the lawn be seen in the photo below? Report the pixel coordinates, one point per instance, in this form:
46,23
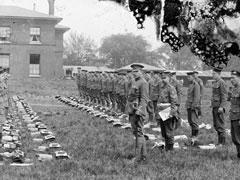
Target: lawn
100,151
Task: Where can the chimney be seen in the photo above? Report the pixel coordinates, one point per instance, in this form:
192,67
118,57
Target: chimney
51,7
34,6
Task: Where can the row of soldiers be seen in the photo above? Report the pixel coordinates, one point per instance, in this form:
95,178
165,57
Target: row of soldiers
4,94
142,95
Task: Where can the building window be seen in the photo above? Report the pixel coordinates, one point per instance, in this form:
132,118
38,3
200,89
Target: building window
35,35
34,66
4,60
5,33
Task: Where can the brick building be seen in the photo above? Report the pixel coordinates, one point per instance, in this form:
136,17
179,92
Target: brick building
31,43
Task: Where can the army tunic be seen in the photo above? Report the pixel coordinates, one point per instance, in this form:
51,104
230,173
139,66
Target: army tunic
176,84
167,95
136,106
192,103
235,117
219,100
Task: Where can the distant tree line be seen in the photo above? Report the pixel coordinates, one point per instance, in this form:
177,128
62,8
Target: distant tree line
120,50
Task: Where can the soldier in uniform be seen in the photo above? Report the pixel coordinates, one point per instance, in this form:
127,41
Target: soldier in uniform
192,103
136,108
218,103
177,85
167,98
3,88
79,81
235,111
200,82
154,88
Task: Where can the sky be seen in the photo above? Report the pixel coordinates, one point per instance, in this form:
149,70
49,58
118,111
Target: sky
94,18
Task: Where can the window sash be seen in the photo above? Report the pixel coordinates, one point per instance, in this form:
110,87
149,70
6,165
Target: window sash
4,60
5,32
34,64
35,31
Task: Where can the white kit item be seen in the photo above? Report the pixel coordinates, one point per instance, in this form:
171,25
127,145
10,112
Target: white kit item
158,129
207,147
31,125
37,140
49,137
7,138
35,134
165,114
180,137
41,148
45,132
208,126
44,157
61,155
151,136
176,145
54,145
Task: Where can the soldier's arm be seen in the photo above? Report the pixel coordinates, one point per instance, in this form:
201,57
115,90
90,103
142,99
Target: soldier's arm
144,95
173,100
201,87
196,96
223,94
179,92
125,88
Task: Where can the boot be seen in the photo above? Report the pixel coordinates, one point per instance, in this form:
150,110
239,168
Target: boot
195,133
170,147
141,150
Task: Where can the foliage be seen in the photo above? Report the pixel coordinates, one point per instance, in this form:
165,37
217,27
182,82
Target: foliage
79,47
182,60
123,49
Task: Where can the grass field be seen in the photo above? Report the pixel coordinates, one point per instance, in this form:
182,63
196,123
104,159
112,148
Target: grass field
99,151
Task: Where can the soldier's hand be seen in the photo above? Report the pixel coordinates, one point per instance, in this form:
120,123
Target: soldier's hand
220,110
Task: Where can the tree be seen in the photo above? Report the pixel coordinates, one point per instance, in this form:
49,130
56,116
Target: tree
182,60
123,49
79,47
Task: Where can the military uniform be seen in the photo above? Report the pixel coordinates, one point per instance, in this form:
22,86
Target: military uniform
200,82
154,89
219,100
192,103
235,115
167,98
3,101
136,108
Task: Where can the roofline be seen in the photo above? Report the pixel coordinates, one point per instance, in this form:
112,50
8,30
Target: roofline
62,29
32,18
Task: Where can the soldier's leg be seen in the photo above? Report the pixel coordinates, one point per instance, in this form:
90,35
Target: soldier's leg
169,129
2,111
235,134
151,115
192,120
163,130
219,125
141,145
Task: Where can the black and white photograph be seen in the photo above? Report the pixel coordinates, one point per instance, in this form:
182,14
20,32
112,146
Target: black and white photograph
119,89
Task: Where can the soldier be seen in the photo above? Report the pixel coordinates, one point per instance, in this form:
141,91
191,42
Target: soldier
177,85
192,103
200,82
136,108
154,89
3,88
79,81
167,98
218,103
235,110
